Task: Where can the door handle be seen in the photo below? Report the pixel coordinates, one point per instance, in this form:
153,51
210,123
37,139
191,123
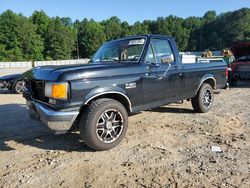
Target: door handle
157,65
153,65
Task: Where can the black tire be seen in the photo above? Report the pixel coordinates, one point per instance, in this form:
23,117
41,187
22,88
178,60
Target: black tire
204,99
18,87
98,111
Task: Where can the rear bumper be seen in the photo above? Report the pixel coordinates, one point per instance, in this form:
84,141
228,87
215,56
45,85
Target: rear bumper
55,120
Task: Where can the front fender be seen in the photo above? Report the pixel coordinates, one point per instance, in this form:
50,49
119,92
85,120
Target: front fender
105,91
100,91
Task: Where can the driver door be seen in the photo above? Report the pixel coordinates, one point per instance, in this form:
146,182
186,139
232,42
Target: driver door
161,84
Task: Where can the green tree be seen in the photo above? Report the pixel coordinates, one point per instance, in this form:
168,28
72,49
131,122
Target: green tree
41,37
91,36
193,24
209,16
9,38
125,29
139,28
42,22
112,28
236,26
67,21
31,43
222,31
172,26
60,40
3,53
18,38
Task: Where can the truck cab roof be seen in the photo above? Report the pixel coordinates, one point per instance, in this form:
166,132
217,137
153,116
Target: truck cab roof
142,36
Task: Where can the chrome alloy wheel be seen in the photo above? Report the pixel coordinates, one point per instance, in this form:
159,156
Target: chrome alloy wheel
109,126
19,87
207,98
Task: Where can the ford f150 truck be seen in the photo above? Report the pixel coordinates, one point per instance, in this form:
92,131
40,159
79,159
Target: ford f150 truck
123,77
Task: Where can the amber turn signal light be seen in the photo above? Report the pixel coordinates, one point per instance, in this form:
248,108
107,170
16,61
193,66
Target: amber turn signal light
56,90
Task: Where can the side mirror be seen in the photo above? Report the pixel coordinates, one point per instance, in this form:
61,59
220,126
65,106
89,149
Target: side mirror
167,58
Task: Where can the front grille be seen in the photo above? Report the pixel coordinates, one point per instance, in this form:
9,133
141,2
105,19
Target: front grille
37,88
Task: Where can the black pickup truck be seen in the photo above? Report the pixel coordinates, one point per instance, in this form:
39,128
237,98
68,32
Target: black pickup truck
123,77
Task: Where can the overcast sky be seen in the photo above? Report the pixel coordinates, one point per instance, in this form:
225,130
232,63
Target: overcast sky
127,10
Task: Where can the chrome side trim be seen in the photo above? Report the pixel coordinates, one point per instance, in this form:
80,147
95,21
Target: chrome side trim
204,79
111,92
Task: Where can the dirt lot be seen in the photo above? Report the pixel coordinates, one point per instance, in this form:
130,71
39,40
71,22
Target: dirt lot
168,146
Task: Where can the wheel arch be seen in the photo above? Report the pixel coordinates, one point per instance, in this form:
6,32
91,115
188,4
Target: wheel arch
209,79
116,95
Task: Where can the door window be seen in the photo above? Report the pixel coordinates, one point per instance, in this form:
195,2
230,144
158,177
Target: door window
150,58
161,48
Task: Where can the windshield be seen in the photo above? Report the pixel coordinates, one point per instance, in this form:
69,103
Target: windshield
121,51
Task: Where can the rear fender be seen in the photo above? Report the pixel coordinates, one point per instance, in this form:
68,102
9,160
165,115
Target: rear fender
209,79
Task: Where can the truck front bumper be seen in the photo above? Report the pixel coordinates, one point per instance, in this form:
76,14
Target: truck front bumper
55,120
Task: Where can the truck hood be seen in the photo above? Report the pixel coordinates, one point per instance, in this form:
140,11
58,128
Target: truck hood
241,49
83,71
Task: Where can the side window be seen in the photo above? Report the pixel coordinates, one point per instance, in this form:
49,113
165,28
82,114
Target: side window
150,55
161,48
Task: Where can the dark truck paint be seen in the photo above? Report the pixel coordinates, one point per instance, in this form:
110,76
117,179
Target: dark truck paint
128,86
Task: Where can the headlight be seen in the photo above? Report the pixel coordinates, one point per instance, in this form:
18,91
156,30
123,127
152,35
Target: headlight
56,90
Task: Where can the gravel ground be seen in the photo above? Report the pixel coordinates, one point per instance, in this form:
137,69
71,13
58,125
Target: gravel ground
169,146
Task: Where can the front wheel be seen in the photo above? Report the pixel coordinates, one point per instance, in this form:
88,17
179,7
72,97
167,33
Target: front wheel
103,124
204,99
19,87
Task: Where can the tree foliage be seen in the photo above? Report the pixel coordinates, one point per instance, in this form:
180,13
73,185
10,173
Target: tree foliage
40,37
60,40
90,36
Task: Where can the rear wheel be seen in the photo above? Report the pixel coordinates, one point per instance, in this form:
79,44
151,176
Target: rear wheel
19,87
103,124
204,99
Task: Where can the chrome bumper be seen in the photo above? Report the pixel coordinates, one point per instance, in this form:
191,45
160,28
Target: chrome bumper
55,120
